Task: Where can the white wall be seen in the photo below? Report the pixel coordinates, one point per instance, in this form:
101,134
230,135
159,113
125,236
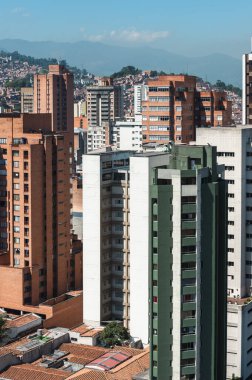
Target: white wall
232,140
140,181
91,239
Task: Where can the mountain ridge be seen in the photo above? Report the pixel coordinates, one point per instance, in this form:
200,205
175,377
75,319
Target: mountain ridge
102,59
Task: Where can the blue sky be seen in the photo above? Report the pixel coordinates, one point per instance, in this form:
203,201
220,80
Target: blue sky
188,27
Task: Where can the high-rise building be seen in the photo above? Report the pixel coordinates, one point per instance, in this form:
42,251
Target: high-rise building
168,112
35,212
234,150
188,267
246,89
140,94
174,108
104,103
156,224
127,135
106,236
53,93
40,257
212,109
26,99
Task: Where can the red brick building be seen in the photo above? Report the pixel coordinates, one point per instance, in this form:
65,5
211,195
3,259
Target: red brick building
174,108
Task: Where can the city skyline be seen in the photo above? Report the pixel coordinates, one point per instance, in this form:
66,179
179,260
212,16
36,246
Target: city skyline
137,24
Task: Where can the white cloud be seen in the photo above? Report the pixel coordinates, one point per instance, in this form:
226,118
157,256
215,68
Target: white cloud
20,11
126,35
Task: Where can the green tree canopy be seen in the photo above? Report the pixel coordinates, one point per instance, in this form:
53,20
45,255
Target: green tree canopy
114,334
127,70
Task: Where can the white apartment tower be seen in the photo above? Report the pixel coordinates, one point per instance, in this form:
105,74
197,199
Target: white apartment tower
106,236
140,94
234,150
127,135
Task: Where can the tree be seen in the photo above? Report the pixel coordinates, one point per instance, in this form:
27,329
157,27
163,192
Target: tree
127,70
2,328
114,334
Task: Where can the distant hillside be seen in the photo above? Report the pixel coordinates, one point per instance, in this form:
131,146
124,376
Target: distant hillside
104,59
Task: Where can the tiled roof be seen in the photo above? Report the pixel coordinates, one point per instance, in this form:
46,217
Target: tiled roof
109,360
82,329
22,320
87,374
31,372
124,371
91,332
87,331
88,353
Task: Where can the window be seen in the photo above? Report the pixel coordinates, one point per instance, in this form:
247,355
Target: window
249,195
16,240
15,153
15,164
248,262
178,109
16,208
231,195
15,175
225,154
16,229
16,261
230,263
230,237
231,209
3,141
230,222
229,168
231,250
16,197
230,181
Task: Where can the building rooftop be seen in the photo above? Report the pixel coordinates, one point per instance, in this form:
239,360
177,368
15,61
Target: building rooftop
108,361
21,321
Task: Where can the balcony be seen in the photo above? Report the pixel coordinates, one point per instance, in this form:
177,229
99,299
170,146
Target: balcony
189,290
188,306
189,322
188,338
188,370
189,354
188,257
189,273
188,240
188,224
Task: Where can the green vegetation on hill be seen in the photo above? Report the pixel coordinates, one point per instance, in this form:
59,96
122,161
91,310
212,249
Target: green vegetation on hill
42,62
127,70
228,87
20,82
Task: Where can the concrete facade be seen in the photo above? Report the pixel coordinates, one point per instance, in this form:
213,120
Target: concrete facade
234,150
106,237
127,135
